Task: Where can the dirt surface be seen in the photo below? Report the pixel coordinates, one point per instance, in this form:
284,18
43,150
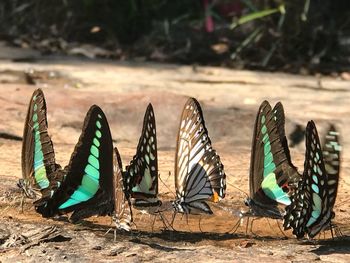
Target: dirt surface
230,100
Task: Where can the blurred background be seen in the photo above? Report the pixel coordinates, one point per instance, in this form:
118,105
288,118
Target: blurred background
297,36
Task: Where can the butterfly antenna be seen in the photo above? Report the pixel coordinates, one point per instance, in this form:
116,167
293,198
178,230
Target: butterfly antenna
247,195
167,187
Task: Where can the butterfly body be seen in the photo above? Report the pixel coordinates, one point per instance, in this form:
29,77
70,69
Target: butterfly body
199,173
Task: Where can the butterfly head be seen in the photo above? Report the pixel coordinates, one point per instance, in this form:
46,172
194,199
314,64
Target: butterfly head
248,201
177,205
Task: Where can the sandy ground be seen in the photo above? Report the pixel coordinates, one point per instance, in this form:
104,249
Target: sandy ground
230,100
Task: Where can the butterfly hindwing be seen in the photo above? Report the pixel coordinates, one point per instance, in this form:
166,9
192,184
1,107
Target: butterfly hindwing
199,173
310,212
122,210
142,173
38,156
331,154
88,185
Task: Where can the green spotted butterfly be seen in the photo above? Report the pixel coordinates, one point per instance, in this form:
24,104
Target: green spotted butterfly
41,174
88,185
311,209
141,176
272,174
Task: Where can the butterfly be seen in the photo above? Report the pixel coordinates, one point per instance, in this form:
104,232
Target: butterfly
141,176
272,175
199,173
122,215
41,174
312,204
88,185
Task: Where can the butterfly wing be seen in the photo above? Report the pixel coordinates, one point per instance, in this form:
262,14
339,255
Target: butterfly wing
309,211
88,186
199,173
278,111
122,211
38,156
271,176
142,173
331,153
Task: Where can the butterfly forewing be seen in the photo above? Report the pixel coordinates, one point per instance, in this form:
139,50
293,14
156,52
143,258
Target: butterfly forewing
38,156
278,112
142,173
331,153
88,186
199,173
122,210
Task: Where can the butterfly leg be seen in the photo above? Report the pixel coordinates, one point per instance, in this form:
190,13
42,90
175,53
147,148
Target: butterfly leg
338,232
235,227
279,227
22,203
246,227
172,221
251,226
164,220
154,220
186,216
199,224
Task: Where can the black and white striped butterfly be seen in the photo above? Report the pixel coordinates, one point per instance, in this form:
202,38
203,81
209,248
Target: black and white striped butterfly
141,176
122,215
199,173
88,185
41,174
272,175
311,209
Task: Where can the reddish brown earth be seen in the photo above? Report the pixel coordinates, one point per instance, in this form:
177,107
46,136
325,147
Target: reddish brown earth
230,100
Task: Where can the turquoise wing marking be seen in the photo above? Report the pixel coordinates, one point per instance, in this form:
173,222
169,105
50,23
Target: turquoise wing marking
273,191
317,202
40,173
269,184
90,181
